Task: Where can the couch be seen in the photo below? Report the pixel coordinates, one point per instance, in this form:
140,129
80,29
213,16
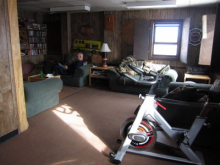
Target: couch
41,95
182,114
79,78
122,84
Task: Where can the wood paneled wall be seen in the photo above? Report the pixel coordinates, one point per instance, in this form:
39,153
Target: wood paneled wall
120,49
38,17
93,19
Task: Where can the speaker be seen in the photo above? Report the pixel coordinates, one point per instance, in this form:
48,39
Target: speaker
197,70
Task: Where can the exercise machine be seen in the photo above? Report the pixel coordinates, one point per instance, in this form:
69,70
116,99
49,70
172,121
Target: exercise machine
141,132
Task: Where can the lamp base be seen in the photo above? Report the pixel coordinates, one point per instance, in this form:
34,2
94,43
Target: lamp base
104,60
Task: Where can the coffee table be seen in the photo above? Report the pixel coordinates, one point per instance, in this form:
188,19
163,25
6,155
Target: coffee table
37,77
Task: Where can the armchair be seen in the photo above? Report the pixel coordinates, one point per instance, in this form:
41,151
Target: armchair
79,78
182,114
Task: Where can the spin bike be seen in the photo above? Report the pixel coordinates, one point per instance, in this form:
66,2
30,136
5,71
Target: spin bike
148,127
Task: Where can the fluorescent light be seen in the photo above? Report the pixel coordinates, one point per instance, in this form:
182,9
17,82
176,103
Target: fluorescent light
71,8
150,4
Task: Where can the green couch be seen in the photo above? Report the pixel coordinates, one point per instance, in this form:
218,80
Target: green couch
122,84
41,95
79,78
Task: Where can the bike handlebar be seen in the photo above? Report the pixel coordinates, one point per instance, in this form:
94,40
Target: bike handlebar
142,72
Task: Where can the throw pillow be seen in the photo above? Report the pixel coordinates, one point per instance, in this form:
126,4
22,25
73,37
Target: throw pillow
27,68
124,68
160,68
164,70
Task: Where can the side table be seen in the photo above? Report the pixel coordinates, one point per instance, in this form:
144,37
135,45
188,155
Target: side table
198,77
98,72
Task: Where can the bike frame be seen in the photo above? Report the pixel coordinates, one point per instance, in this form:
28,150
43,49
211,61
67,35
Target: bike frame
168,135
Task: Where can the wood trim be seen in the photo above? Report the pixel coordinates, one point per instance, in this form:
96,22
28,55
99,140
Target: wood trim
206,48
16,67
69,33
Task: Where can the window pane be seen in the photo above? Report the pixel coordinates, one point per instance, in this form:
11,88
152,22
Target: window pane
162,49
166,34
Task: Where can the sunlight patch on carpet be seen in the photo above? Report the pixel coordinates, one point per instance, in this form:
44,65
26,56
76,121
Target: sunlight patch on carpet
72,118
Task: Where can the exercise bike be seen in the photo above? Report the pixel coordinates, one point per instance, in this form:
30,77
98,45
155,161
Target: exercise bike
148,127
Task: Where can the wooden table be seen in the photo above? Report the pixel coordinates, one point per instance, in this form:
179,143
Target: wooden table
198,77
38,78
96,72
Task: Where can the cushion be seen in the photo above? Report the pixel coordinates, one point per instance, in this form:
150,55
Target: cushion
160,68
38,68
146,65
124,68
164,70
216,85
27,68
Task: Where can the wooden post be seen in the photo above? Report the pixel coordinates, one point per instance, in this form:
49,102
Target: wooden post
65,33
16,67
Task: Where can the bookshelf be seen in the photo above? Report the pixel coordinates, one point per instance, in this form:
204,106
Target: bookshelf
33,39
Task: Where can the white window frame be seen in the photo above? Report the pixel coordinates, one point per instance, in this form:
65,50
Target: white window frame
153,56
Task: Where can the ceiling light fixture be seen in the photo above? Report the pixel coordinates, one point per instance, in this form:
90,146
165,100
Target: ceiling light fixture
150,4
71,8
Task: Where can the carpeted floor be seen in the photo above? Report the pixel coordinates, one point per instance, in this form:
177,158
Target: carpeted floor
81,130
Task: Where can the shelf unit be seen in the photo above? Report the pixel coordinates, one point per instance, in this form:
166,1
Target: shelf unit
33,39
98,73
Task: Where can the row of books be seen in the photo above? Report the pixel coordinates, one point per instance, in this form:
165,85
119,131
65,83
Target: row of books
38,46
37,33
35,26
37,39
33,51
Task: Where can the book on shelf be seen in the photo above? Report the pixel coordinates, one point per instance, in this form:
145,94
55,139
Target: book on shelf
33,38
35,26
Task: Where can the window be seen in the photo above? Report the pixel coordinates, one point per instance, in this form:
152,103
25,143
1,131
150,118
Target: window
165,40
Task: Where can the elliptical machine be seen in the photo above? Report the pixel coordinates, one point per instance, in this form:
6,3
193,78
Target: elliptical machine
149,127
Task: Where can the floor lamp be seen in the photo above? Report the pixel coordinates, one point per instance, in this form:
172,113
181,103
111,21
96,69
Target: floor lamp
105,49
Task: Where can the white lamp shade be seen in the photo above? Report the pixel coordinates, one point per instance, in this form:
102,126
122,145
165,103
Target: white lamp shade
105,48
